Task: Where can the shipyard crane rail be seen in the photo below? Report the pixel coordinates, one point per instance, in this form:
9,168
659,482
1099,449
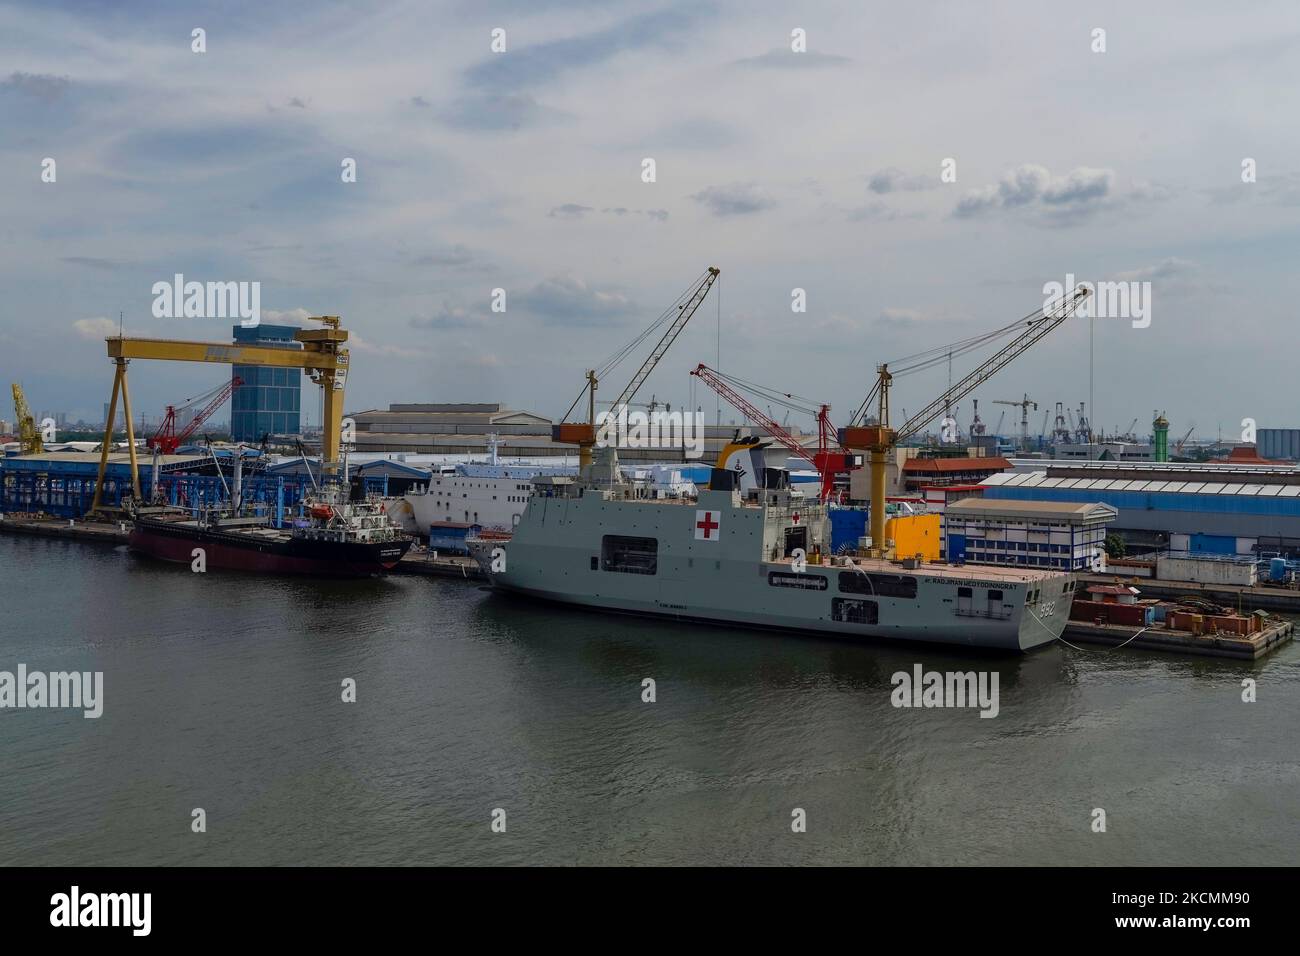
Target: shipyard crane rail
167,440
824,460
880,438
583,434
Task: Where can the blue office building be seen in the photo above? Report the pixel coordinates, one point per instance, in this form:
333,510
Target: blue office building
269,400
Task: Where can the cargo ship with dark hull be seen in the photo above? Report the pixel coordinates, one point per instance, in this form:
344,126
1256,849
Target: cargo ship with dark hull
331,539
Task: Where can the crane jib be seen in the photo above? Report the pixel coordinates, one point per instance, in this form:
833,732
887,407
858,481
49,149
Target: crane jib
669,336
1034,330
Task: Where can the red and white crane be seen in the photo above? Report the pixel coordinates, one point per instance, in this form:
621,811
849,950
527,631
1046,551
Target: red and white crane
166,439
827,461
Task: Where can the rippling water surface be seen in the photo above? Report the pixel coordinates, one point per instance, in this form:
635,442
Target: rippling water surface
223,691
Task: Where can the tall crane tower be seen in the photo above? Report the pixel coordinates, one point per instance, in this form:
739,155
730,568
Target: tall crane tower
1023,405
1060,429
1083,430
583,434
880,439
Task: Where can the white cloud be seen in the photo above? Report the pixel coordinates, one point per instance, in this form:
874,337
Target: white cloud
298,316
95,329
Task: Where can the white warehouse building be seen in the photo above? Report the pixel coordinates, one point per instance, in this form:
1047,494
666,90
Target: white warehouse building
1061,535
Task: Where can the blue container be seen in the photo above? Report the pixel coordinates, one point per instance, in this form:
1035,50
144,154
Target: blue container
847,526
1277,569
1213,544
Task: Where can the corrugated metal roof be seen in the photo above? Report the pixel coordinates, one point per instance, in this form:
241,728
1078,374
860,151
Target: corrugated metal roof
1039,480
1207,468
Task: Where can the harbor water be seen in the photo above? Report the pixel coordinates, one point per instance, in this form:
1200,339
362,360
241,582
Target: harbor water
224,692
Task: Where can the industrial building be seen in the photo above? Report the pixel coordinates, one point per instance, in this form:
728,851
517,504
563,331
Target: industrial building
921,473
1211,508
1279,443
463,429
910,469
1105,451
62,483
268,401
452,428
1045,534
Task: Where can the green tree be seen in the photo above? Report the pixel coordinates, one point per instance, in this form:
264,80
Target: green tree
1115,546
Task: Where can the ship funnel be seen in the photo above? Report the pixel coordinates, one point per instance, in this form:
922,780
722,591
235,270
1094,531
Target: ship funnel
603,471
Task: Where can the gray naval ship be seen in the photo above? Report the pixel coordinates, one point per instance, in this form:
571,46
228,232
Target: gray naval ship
756,557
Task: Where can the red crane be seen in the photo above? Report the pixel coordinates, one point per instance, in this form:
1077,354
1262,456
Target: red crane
826,461
167,440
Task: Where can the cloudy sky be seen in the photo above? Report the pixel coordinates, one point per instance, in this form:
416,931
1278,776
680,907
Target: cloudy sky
522,170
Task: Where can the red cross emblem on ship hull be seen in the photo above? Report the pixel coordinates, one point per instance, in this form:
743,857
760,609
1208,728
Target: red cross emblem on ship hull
707,526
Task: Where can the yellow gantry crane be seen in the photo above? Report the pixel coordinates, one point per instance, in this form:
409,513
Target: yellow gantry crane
583,434
29,435
322,357
879,439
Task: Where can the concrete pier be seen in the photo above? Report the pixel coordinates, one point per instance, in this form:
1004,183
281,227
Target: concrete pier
447,566
109,532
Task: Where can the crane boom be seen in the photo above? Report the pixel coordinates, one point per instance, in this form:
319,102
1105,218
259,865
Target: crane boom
1036,327
880,438
751,411
683,316
583,434
29,436
824,460
167,439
